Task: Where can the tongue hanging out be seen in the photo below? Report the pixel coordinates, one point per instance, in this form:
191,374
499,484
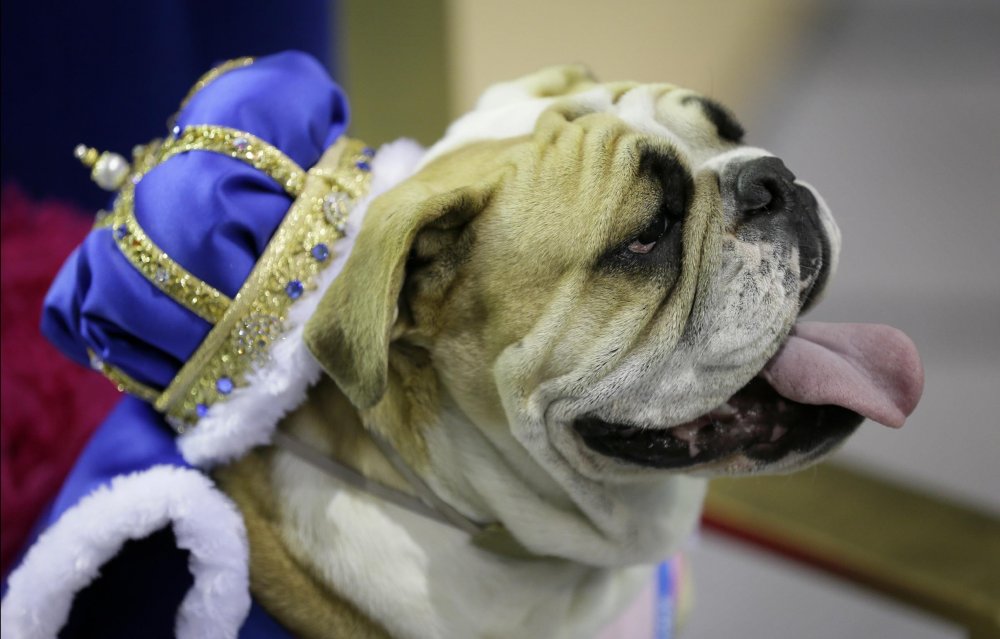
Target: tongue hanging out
872,369
811,395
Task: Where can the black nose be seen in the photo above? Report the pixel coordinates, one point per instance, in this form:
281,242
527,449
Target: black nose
764,186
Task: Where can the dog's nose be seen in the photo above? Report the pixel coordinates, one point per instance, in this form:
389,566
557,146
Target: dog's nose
764,186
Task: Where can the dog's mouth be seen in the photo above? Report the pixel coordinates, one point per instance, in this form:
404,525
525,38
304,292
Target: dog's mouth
756,422
825,380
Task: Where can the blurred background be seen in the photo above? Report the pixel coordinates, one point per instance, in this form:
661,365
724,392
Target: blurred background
890,107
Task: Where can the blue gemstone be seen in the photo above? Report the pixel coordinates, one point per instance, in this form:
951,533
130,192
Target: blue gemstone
201,409
320,252
121,232
294,289
370,152
363,165
224,385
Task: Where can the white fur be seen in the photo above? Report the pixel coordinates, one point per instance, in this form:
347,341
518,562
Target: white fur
421,579
497,123
547,504
249,416
69,555
653,109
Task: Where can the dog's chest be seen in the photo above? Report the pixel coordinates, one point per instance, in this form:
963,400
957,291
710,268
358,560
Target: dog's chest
377,565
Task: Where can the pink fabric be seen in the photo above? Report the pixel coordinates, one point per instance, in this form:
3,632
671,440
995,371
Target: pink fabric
638,620
50,405
871,369
658,612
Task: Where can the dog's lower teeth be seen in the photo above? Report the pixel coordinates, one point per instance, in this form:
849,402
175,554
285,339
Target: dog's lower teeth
689,435
686,433
778,432
725,410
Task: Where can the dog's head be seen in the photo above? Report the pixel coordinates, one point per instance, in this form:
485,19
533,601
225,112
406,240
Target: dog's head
606,273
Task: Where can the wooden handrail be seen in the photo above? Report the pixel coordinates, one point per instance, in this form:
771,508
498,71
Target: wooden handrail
918,549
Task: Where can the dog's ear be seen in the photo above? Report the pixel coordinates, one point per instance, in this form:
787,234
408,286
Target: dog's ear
550,82
349,333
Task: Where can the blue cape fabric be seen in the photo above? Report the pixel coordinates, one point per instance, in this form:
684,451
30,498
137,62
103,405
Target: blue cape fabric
134,438
212,214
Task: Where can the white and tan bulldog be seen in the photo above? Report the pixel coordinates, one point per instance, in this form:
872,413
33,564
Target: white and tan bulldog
580,306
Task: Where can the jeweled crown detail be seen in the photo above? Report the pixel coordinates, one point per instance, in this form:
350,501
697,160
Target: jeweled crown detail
245,327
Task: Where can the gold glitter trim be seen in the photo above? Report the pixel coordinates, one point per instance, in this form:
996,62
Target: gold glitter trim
159,268
155,265
122,381
242,328
212,75
242,146
103,219
298,251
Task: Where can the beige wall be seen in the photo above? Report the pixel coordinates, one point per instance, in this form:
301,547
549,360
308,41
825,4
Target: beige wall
731,50
393,58
410,67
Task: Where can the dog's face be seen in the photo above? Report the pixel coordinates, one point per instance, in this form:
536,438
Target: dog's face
601,270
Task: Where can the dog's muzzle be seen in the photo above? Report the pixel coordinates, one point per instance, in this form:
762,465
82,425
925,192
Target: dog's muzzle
766,194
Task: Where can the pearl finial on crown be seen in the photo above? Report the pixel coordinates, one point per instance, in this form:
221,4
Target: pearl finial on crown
108,170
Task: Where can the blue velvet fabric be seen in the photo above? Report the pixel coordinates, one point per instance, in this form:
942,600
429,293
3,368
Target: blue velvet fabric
212,214
133,439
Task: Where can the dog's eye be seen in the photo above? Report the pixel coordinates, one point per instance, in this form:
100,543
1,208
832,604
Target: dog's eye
665,173
646,241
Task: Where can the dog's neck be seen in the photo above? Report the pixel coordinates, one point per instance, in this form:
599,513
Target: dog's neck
486,472
415,576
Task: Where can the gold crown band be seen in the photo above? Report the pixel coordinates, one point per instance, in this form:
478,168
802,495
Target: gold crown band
297,252
211,76
298,249
156,266
244,327
122,381
239,145
153,263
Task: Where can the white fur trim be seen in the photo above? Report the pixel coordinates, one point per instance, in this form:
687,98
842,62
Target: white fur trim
497,120
248,418
69,555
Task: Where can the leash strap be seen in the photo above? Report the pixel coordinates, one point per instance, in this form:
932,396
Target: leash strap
355,479
493,537
429,497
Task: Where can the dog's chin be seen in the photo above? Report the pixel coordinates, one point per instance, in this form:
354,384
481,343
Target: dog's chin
755,430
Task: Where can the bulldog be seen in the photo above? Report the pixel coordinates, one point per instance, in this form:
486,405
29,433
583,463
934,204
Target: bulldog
580,305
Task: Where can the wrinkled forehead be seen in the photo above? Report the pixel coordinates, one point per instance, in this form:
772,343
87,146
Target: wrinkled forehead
698,128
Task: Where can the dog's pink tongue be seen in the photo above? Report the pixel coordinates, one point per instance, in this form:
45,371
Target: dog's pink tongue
871,369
